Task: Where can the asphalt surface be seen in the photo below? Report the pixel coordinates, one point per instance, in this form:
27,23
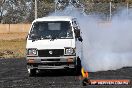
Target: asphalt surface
13,74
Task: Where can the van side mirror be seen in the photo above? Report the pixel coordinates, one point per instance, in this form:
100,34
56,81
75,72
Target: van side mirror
80,39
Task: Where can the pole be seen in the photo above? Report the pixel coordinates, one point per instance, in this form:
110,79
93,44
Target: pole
127,8
110,10
3,1
35,9
55,5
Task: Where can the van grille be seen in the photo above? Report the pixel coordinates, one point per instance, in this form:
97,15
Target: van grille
51,53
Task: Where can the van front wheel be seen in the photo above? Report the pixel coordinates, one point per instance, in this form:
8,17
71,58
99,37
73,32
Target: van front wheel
32,72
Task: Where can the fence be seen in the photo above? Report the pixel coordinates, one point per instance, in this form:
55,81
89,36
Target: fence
9,28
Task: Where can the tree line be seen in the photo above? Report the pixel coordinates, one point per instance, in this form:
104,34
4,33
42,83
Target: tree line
22,11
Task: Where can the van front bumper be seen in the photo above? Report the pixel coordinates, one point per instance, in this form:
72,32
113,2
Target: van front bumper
51,62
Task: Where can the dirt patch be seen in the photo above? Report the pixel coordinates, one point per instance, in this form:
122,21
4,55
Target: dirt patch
6,53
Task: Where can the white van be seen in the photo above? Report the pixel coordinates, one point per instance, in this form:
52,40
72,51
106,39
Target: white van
54,42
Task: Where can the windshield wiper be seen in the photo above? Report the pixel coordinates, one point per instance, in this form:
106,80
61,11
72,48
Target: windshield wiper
52,38
34,37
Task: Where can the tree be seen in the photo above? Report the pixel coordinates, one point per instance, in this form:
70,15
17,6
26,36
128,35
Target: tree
2,9
22,11
17,11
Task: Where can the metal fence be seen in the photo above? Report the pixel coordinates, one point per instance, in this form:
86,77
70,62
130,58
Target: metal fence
107,10
8,28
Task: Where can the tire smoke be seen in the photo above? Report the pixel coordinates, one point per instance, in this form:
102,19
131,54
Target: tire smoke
106,45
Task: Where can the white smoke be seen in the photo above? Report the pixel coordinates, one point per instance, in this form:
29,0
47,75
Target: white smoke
106,45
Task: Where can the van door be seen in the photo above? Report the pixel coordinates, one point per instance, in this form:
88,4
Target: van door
78,38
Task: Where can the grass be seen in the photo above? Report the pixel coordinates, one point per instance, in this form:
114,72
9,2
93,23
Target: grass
13,36
12,48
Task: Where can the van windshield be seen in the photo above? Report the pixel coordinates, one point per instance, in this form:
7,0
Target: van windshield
51,30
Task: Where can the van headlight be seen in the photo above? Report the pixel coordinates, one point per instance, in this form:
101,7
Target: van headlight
32,52
69,51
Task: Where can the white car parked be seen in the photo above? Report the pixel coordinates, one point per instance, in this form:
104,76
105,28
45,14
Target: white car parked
54,42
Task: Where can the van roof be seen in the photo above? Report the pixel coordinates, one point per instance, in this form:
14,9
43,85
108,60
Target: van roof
54,18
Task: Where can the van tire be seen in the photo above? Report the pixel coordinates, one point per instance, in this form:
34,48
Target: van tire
32,72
